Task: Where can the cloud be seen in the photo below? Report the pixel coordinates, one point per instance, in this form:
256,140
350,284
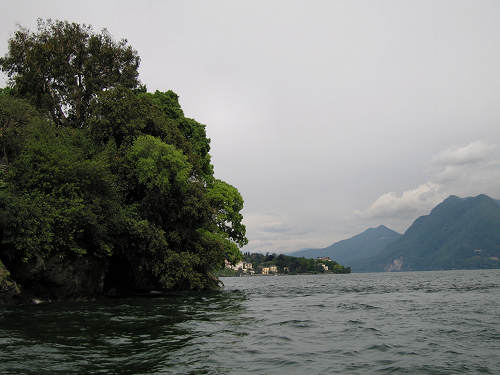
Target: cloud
266,230
469,170
266,223
465,171
472,153
407,203
271,232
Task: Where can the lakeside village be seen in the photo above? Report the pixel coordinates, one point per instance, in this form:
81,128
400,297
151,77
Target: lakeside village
272,264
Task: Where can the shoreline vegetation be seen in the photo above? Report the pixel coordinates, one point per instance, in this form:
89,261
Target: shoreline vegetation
105,188
256,264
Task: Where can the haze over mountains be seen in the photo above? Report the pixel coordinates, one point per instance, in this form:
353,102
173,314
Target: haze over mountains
459,233
357,248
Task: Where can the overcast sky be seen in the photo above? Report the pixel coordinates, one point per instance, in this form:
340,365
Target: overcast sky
328,116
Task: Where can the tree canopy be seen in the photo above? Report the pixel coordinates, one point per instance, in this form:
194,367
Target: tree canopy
61,67
97,171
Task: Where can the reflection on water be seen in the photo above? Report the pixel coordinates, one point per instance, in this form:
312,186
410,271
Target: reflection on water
121,335
418,323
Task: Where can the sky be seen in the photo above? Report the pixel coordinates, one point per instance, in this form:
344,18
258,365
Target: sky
329,117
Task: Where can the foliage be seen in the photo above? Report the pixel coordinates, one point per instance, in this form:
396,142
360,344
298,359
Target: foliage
61,67
158,166
6,91
227,272
57,200
14,115
95,167
228,203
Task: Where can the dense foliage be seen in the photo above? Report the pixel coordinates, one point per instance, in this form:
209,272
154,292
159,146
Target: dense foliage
93,167
293,265
63,66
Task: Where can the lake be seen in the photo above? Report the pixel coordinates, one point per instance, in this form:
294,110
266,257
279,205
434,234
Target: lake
445,322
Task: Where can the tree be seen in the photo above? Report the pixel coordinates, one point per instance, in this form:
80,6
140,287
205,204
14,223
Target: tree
61,68
228,203
57,202
15,114
103,178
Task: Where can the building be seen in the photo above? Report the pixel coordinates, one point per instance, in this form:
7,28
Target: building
324,258
247,266
269,270
233,267
244,267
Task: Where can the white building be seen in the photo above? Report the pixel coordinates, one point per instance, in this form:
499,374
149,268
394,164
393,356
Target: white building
244,267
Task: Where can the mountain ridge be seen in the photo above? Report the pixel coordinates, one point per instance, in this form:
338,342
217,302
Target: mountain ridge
459,233
350,250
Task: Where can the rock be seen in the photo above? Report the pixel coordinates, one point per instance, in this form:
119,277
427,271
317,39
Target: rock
59,277
9,290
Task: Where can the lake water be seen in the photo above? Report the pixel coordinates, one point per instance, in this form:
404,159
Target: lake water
398,323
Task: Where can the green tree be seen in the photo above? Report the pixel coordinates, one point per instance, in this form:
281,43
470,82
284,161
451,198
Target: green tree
99,170
196,145
61,67
228,203
57,201
15,114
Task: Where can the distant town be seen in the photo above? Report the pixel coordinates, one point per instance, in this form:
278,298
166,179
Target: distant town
273,264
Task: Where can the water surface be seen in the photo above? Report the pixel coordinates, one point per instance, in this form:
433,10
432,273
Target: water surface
399,323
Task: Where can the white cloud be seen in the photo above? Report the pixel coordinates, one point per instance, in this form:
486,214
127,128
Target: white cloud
408,203
472,153
469,170
464,171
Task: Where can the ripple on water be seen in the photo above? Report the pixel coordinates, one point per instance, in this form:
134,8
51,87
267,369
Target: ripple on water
406,323
356,306
295,323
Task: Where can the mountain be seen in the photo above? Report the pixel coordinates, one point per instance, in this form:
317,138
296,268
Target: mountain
350,251
459,233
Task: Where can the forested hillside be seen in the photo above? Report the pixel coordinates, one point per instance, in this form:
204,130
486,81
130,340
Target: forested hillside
459,233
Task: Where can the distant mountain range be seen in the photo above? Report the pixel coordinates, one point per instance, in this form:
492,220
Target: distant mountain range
352,250
459,233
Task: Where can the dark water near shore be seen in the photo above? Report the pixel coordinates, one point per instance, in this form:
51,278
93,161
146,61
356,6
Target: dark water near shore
405,323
